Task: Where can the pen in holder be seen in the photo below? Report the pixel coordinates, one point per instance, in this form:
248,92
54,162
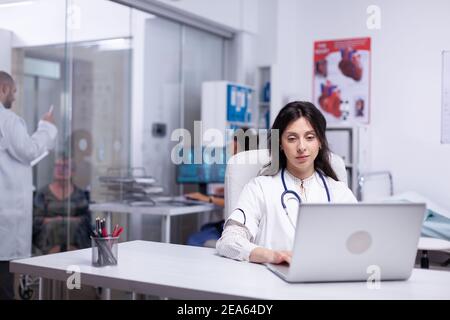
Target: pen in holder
104,251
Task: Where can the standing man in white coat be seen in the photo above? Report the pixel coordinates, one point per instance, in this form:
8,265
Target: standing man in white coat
17,150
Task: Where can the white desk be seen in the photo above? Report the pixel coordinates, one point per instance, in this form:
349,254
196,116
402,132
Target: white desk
186,272
160,209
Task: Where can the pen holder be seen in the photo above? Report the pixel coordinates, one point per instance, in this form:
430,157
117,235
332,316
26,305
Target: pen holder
104,251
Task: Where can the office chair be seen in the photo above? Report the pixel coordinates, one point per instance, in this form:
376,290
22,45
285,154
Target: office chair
244,166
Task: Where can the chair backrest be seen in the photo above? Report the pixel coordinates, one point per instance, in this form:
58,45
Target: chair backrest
244,166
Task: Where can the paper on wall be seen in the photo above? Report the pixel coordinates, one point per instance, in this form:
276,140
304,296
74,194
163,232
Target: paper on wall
445,117
42,156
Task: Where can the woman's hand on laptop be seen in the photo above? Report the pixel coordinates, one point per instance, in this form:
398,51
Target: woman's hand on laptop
263,255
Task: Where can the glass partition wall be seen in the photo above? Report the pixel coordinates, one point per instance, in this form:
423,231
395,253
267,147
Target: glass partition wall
113,75
76,56
178,58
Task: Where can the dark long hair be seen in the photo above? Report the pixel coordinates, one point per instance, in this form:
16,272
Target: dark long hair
293,111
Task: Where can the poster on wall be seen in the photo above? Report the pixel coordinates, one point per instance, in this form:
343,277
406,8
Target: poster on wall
341,86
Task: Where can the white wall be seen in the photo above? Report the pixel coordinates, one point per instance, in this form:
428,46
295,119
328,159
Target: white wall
35,24
285,74
236,14
406,79
266,37
5,53
243,16
43,21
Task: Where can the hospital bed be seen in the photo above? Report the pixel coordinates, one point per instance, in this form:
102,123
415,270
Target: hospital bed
379,187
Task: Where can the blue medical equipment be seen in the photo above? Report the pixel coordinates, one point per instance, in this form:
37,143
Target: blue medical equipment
206,171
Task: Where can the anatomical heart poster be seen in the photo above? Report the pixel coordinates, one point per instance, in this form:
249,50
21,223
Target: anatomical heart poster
342,80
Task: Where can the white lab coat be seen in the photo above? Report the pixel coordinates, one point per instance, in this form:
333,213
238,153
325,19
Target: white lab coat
17,150
265,218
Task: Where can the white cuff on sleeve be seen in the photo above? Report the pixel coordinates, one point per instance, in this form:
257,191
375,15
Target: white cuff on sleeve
246,250
49,127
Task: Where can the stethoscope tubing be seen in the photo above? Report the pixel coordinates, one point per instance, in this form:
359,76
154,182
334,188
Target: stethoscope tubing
295,194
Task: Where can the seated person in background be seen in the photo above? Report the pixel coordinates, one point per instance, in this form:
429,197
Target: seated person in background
211,232
59,208
216,199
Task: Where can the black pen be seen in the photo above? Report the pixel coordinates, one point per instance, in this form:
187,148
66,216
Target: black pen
102,226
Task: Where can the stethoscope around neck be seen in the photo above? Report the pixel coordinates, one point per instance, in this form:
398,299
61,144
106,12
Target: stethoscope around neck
295,194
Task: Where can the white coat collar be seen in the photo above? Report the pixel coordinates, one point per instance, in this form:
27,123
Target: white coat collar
295,182
298,180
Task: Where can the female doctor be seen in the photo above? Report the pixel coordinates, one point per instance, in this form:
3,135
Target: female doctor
261,228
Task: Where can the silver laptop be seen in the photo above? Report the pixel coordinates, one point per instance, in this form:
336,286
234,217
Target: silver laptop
354,242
